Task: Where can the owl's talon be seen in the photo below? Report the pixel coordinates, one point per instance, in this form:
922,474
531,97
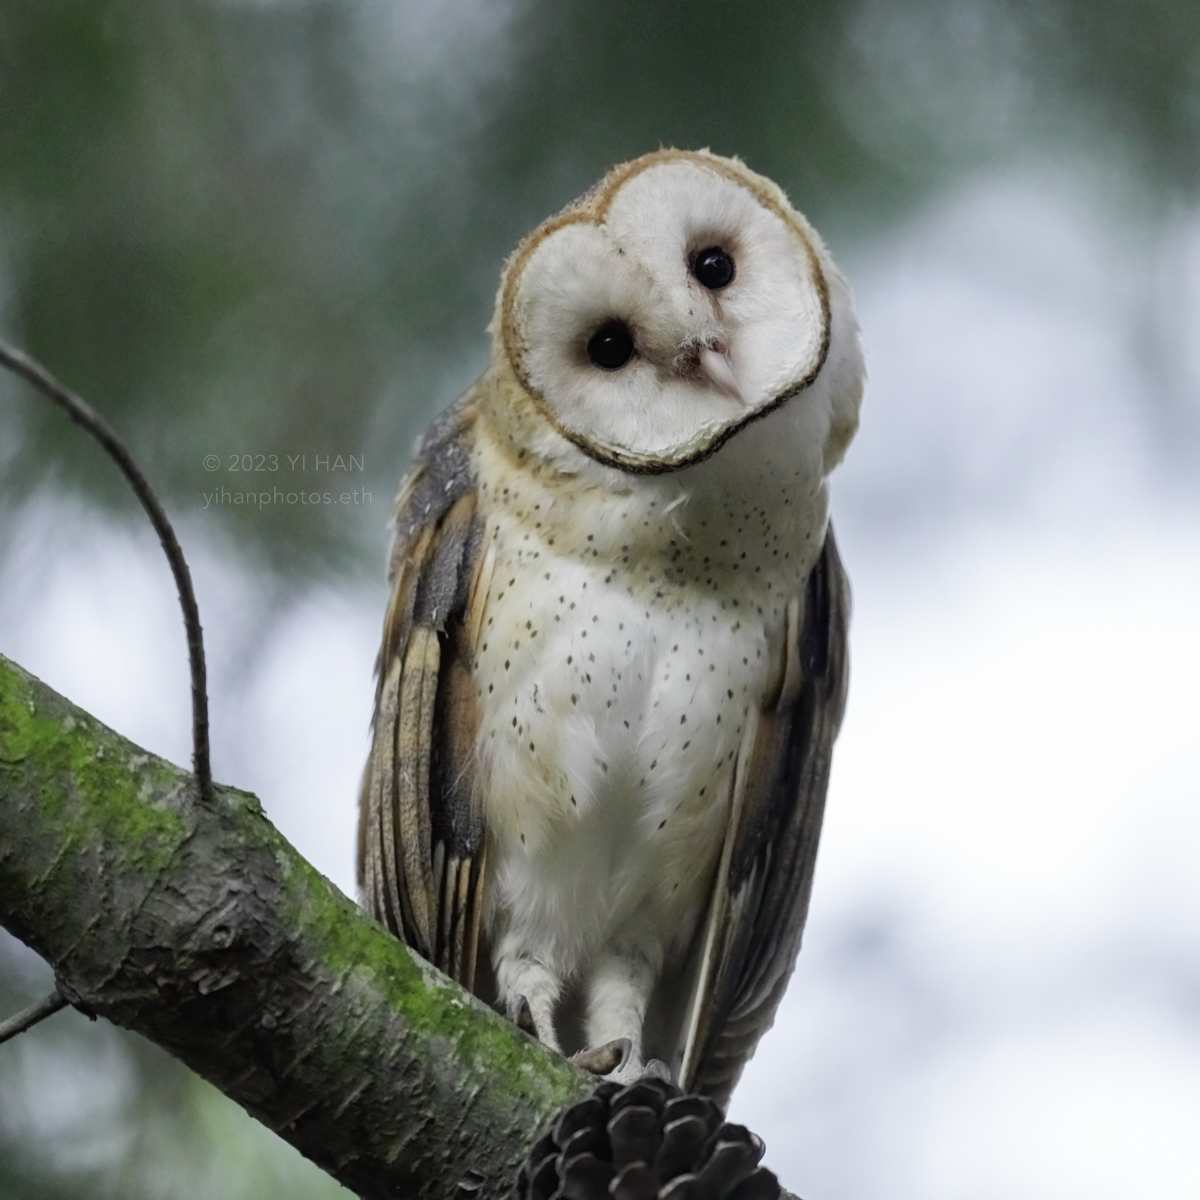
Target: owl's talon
605,1059
658,1069
521,1015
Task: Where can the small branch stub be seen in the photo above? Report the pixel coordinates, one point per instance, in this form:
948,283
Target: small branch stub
27,1018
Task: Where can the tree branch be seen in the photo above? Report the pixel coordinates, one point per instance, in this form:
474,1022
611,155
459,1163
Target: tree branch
199,927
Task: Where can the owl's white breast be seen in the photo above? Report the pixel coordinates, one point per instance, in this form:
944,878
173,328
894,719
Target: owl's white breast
624,638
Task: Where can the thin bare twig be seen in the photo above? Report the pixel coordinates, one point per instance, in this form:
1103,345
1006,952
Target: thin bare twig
29,1017
83,414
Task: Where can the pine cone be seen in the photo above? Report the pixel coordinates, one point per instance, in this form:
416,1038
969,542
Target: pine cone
646,1141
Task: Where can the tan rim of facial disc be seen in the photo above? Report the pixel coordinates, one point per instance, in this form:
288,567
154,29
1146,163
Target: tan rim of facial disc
592,208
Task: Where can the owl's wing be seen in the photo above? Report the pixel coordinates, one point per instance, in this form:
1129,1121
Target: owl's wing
760,902
420,834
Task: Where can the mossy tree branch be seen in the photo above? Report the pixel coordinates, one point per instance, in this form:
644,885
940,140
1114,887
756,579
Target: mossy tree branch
199,927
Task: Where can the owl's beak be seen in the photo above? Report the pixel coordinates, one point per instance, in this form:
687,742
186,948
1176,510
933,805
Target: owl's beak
715,367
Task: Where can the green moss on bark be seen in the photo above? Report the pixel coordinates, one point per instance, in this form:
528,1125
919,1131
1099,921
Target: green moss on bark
96,787
431,1003
202,928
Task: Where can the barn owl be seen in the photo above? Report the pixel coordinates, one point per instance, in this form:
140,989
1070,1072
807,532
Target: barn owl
614,660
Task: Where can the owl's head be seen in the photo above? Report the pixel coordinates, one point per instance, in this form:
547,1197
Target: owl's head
675,303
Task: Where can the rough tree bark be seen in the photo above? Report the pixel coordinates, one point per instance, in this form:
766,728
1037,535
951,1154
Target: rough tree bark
199,927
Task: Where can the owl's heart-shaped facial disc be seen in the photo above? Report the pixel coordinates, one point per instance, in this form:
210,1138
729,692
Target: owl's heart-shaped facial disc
672,305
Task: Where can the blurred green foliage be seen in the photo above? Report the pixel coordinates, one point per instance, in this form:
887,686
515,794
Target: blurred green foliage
276,226
250,227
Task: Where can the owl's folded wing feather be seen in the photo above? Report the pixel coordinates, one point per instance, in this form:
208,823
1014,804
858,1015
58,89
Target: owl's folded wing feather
420,837
760,903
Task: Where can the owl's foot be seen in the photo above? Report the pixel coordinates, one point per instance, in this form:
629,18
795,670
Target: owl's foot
528,994
520,1014
618,1062
605,1059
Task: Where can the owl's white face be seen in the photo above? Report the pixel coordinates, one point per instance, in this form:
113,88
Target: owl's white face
669,308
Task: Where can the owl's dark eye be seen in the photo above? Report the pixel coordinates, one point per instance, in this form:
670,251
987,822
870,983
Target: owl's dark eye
611,346
713,268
